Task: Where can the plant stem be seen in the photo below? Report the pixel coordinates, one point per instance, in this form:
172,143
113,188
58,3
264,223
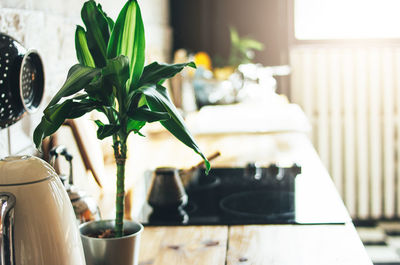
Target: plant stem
120,158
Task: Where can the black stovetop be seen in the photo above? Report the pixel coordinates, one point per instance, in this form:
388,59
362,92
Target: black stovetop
229,196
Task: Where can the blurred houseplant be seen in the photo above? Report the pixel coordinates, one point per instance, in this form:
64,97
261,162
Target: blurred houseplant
111,78
242,49
222,85
241,52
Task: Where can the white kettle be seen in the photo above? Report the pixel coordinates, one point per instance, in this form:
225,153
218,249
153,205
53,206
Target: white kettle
38,225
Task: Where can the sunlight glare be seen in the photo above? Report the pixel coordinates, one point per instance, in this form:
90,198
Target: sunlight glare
346,19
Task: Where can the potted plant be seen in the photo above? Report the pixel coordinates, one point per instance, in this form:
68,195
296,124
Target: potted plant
111,78
242,49
222,85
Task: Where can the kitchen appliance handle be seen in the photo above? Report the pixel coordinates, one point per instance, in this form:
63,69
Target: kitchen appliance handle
7,203
61,150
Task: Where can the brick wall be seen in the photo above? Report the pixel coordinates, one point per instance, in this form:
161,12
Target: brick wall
49,27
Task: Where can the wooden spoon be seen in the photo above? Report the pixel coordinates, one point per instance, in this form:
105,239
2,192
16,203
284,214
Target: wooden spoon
186,174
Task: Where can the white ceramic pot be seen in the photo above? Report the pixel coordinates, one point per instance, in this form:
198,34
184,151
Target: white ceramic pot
36,207
116,251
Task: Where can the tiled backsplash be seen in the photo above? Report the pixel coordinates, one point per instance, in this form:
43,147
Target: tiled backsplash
49,27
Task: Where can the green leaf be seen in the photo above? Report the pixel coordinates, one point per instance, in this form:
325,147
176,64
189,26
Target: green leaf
134,98
97,31
55,115
110,22
80,108
106,130
111,113
128,39
247,44
51,122
145,114
43,130
80,96
81,47
241,49
234,35
78,77
134,126
101,90
156,73
117,71
158,100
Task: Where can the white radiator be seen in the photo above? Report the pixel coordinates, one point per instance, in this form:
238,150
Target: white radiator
352,96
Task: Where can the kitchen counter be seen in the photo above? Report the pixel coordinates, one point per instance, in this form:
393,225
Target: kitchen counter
258,244
261,244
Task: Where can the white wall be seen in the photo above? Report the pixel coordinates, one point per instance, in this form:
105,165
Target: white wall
49,26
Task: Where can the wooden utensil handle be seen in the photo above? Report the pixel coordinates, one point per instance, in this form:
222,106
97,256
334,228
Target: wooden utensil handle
209,158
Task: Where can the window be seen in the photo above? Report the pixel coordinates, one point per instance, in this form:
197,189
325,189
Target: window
346,19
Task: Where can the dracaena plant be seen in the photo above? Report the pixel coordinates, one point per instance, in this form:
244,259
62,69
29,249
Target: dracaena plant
242,49
111,78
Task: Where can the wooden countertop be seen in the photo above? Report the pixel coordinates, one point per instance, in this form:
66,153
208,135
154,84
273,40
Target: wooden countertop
254,244
258,244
